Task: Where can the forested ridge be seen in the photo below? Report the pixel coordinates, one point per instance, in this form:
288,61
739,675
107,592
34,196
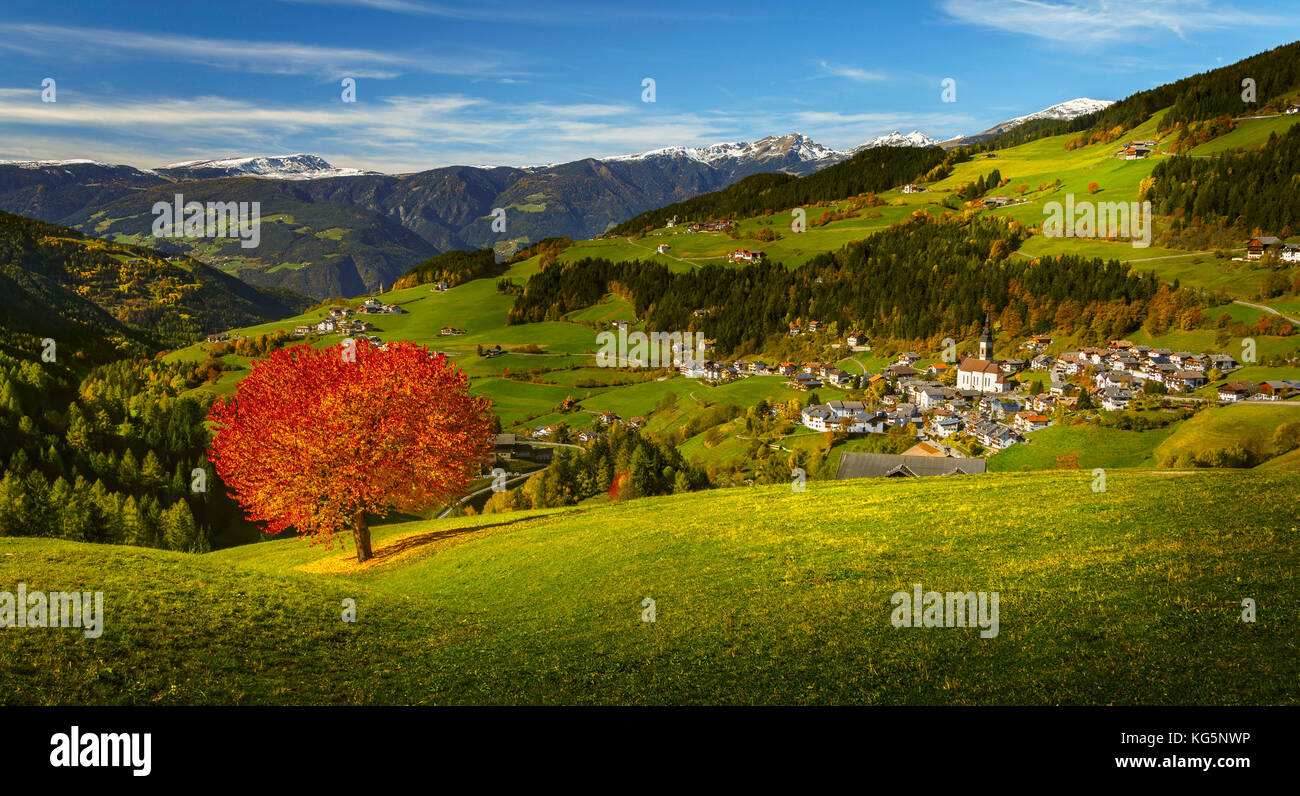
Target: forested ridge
453,267
872,170
921,278
61,281
1241,190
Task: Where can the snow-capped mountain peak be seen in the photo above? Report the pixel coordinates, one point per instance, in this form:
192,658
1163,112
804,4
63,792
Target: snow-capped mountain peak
914,138
1069,109
1062,110
794,146
282,167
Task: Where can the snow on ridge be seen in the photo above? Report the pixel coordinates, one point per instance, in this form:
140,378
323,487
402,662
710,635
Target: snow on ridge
802,147
69,162
1069,109
298,166
914,138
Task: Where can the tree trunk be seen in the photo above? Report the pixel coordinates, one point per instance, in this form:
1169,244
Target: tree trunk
361,533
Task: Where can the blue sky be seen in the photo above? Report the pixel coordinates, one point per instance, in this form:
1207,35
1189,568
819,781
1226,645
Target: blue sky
520,83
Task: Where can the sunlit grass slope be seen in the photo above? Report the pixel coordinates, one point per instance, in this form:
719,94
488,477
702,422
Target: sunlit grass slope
1128,596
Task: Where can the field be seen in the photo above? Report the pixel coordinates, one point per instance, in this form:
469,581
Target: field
1131,596
1096,447
1250,134
1248,424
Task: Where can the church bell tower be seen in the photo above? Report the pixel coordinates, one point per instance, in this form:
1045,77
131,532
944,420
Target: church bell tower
986,342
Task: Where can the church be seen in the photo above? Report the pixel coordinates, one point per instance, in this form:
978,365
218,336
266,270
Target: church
983,374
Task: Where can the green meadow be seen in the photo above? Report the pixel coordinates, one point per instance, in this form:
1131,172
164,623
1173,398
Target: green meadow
761,596
1095,446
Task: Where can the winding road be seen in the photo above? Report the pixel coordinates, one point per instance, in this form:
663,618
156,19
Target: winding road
522,476
1269,310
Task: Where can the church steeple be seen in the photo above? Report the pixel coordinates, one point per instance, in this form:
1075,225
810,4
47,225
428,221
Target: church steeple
986,341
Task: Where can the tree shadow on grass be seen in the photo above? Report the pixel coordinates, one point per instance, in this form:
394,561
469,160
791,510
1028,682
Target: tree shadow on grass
406,544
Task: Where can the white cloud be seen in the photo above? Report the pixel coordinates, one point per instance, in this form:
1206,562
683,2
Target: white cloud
263,57
851,72
844,130
1099,22
525,12
393,134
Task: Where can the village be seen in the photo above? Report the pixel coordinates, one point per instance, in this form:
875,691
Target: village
980,400
980,404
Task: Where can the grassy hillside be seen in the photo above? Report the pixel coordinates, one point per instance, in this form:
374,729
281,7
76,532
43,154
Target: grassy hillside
1248,425
1130,596
1096,447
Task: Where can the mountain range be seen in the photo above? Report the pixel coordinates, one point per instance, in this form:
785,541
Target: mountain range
329,231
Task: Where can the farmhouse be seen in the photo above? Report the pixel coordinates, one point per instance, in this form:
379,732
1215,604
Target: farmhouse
944,425
912,188
1030,421
1278,388
1256,248
993,435
1183,380
1235,391
745,256
662,248
1135,150
1115,398
1224,362
849,416
839,378
882,465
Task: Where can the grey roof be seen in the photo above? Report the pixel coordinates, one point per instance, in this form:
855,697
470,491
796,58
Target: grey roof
884,465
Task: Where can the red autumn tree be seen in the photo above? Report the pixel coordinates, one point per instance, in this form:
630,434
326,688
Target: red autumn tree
317,439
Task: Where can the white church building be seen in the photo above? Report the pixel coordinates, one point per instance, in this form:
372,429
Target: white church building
985,373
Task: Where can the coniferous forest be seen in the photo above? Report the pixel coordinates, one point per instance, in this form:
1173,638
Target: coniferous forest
1241,190
869,171
921,278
